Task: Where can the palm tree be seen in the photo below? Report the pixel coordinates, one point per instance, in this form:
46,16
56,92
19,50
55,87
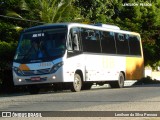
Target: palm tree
52,11
47,11
22,6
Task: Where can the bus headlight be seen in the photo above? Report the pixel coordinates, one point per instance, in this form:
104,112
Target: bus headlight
17,71
20,80
56,67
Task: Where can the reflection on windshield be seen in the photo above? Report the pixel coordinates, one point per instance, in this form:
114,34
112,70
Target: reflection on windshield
41,45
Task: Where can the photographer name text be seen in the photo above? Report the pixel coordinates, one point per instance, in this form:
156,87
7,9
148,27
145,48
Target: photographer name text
137,4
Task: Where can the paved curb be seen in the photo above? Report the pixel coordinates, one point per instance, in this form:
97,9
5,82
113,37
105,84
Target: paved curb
128,83
147,85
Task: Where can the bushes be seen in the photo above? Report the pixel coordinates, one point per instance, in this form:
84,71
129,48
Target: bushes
7,51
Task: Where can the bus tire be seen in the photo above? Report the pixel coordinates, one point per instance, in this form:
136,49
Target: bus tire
33,89
77,83
119,83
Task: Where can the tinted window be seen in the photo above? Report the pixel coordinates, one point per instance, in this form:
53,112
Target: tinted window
122,44
90,40
108,42
134,44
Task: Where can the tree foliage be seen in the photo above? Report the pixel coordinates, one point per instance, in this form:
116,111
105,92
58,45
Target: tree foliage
142,19
146,21
96,10
51,10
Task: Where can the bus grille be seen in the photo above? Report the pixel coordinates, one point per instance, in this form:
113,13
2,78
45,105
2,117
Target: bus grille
36,72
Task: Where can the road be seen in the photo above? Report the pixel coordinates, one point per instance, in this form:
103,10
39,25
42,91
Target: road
137,98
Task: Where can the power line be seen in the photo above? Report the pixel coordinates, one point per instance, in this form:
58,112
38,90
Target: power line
20,19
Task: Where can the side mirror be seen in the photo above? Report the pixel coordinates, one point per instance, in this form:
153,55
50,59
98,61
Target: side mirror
76,42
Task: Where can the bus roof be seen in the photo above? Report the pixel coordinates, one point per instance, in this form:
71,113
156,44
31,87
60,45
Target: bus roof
100,26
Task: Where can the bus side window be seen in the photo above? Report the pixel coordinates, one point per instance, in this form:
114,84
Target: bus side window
134,43
122,44
90,40
121,37
108,42
73,43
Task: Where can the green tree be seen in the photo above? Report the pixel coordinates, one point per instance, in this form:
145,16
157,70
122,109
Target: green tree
53,11
96,10
146,21
13,19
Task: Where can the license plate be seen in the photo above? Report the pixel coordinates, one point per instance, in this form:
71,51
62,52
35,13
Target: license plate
35,78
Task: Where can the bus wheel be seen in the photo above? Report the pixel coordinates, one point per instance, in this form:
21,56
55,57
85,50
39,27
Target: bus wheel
77,84
119,83
33,89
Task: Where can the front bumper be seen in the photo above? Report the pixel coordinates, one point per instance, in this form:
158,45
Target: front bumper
42,79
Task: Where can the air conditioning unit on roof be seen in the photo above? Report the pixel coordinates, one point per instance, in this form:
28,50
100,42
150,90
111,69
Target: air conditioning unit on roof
108,26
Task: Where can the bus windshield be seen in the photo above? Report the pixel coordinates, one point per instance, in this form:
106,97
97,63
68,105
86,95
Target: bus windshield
41,45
